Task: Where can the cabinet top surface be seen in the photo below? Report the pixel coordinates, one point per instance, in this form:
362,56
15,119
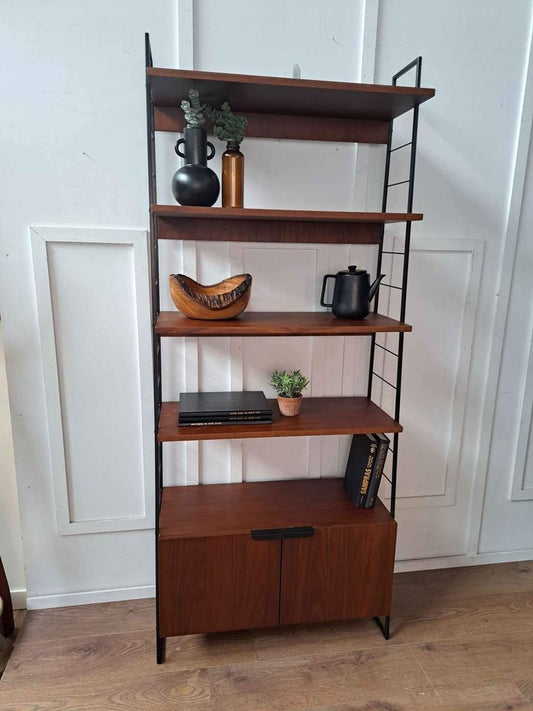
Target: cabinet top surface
279,95
231,509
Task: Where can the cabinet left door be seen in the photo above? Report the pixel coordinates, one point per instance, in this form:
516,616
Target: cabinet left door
218,583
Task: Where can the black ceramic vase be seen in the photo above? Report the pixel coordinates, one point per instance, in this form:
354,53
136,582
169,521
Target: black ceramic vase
195,183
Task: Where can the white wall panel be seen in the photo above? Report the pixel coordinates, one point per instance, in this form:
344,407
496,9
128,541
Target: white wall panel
508,507
96,365
443,293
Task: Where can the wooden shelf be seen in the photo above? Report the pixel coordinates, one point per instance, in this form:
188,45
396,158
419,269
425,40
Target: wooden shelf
233,509
271,323
235,224
318,416
277,107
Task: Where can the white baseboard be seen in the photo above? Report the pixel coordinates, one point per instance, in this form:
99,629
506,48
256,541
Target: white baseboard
18,598
460,561
41,602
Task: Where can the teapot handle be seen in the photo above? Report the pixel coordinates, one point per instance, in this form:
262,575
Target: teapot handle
328,276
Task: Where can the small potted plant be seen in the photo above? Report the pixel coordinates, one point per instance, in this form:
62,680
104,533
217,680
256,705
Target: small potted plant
289,386
229,127
195,183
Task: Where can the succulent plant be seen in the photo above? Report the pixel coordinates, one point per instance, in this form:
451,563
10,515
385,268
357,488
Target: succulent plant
193,109
288,383
227,126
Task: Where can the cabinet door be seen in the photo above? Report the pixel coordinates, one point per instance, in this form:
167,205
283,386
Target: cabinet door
217,584
337,574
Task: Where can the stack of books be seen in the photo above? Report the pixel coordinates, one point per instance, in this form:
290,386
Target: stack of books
224,408
365,467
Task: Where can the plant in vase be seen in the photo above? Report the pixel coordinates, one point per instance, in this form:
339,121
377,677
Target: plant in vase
289,386
195,183
229,127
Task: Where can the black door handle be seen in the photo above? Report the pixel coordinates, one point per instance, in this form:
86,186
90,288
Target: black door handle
267,534
298,532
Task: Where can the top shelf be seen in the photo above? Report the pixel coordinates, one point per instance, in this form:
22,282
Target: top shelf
277,107
278,95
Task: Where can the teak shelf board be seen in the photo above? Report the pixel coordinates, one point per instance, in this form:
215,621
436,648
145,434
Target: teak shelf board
236,224
319,416
246,213
278,95
272,323
300,128
232,509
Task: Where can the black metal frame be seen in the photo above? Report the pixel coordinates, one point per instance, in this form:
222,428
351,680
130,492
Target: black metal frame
156,339
155,307
416,65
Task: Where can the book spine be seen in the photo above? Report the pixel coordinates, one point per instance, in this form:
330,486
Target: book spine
202,418
377,471
366,476
226,422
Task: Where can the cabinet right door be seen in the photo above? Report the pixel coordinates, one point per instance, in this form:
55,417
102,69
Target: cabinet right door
339,573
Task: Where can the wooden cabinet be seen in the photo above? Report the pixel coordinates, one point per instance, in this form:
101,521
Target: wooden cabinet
218,583
212,574
272,553
340,573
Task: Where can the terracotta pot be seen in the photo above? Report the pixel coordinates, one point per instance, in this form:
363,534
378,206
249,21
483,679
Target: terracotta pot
289,406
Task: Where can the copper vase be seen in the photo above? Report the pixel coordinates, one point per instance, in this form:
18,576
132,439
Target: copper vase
232,176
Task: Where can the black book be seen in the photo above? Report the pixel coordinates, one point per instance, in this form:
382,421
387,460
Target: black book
199,419
243,421
377,470
226,405
225,420
359,467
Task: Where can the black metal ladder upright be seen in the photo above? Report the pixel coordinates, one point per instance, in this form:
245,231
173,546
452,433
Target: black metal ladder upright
415,65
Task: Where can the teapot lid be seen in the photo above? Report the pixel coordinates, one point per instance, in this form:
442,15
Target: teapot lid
353,271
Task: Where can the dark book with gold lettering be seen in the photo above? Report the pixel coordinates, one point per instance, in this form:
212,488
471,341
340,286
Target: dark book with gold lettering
361,459
224,408
377,470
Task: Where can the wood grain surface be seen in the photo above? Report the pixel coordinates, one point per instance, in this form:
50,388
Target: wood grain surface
230,224
220,583
341,573
231,509
278,95
278,323
441,659
305,128
319,416
240,230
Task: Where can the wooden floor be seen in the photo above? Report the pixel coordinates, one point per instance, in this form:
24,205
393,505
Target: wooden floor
462,641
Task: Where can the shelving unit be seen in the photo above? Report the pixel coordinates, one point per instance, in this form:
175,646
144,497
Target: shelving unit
245,555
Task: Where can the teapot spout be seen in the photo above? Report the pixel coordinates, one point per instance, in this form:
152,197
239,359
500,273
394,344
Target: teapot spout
374,287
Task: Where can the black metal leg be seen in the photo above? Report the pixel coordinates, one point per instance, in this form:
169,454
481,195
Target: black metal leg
161,648
384,626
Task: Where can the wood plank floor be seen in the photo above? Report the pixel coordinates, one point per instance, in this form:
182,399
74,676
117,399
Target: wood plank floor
462,640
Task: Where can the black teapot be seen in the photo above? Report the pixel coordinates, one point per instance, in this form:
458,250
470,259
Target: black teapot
352,293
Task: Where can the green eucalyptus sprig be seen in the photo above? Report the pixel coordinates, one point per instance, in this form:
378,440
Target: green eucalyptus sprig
227,126
288,383
193,109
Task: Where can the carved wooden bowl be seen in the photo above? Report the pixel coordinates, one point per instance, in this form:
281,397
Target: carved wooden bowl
224,300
